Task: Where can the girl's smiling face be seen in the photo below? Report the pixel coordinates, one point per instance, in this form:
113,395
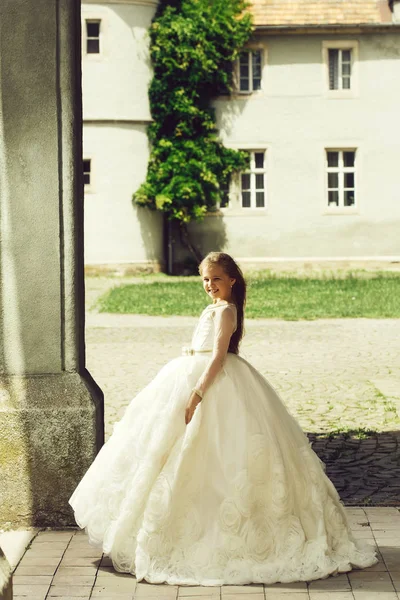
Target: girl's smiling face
217,284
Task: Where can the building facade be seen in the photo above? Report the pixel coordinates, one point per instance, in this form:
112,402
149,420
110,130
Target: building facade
316,106
116,72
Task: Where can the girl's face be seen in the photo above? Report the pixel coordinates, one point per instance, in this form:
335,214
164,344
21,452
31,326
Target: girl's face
216,283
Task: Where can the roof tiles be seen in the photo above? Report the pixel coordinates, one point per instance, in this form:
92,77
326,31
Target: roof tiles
320,12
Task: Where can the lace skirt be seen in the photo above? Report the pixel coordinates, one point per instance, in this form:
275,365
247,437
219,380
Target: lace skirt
238,496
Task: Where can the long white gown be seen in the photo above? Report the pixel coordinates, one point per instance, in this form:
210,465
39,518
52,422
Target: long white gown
237,496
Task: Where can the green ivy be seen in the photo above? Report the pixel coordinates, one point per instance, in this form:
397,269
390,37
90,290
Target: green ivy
193,44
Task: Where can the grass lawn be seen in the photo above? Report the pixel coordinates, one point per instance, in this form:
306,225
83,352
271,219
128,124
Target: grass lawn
270,295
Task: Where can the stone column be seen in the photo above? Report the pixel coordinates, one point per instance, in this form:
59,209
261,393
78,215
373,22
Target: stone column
51,411
5,578
395,6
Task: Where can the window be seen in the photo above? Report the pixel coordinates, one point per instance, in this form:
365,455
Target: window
341,171
340,59
253,181
250,65
87,172
93,36
340,68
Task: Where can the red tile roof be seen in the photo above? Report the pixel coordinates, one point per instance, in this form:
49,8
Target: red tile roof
320,12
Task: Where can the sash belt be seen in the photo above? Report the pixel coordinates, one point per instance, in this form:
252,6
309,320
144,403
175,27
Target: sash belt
191,351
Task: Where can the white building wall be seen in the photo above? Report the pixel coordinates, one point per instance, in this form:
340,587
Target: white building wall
115,82
294,118
116,230
116,113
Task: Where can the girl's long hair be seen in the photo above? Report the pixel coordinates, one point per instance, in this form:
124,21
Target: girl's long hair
238,291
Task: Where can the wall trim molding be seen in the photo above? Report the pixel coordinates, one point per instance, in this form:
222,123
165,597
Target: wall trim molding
139,2
334,29
116,121
260,259
266,259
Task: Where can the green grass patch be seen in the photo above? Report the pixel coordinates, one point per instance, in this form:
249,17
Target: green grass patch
360,433
270,295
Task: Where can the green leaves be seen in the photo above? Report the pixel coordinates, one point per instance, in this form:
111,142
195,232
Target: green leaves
193,44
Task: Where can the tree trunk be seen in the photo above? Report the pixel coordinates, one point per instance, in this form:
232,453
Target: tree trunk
168,250
187,242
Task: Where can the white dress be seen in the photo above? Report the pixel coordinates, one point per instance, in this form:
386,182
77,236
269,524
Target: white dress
237,496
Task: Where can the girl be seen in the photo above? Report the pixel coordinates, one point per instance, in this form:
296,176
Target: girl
207,479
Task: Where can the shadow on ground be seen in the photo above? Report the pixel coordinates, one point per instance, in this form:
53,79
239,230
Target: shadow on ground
366,471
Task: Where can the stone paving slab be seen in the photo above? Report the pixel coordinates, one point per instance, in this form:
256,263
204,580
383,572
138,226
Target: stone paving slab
334,375
96,580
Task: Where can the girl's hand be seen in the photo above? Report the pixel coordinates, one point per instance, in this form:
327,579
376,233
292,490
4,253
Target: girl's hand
194,400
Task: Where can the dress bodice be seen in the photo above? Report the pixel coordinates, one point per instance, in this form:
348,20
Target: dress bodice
203,336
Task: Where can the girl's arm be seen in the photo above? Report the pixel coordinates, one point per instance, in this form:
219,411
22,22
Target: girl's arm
225,323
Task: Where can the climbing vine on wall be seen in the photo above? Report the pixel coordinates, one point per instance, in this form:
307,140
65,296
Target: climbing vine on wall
193,45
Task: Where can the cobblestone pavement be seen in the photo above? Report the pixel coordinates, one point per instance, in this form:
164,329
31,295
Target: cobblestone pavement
62,565
339,377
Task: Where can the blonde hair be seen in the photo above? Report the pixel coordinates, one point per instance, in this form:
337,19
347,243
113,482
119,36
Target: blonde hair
233,270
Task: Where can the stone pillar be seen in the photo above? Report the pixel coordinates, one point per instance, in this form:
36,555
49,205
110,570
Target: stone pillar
395,5
51,411
5,578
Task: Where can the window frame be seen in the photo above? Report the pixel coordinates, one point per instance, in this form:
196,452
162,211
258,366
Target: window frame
341,170
253,171
87,187
236,71
87,37
235,207
89,13
341,45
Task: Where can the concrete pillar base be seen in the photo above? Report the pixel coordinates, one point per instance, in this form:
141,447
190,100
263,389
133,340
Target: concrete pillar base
51,428
5,578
